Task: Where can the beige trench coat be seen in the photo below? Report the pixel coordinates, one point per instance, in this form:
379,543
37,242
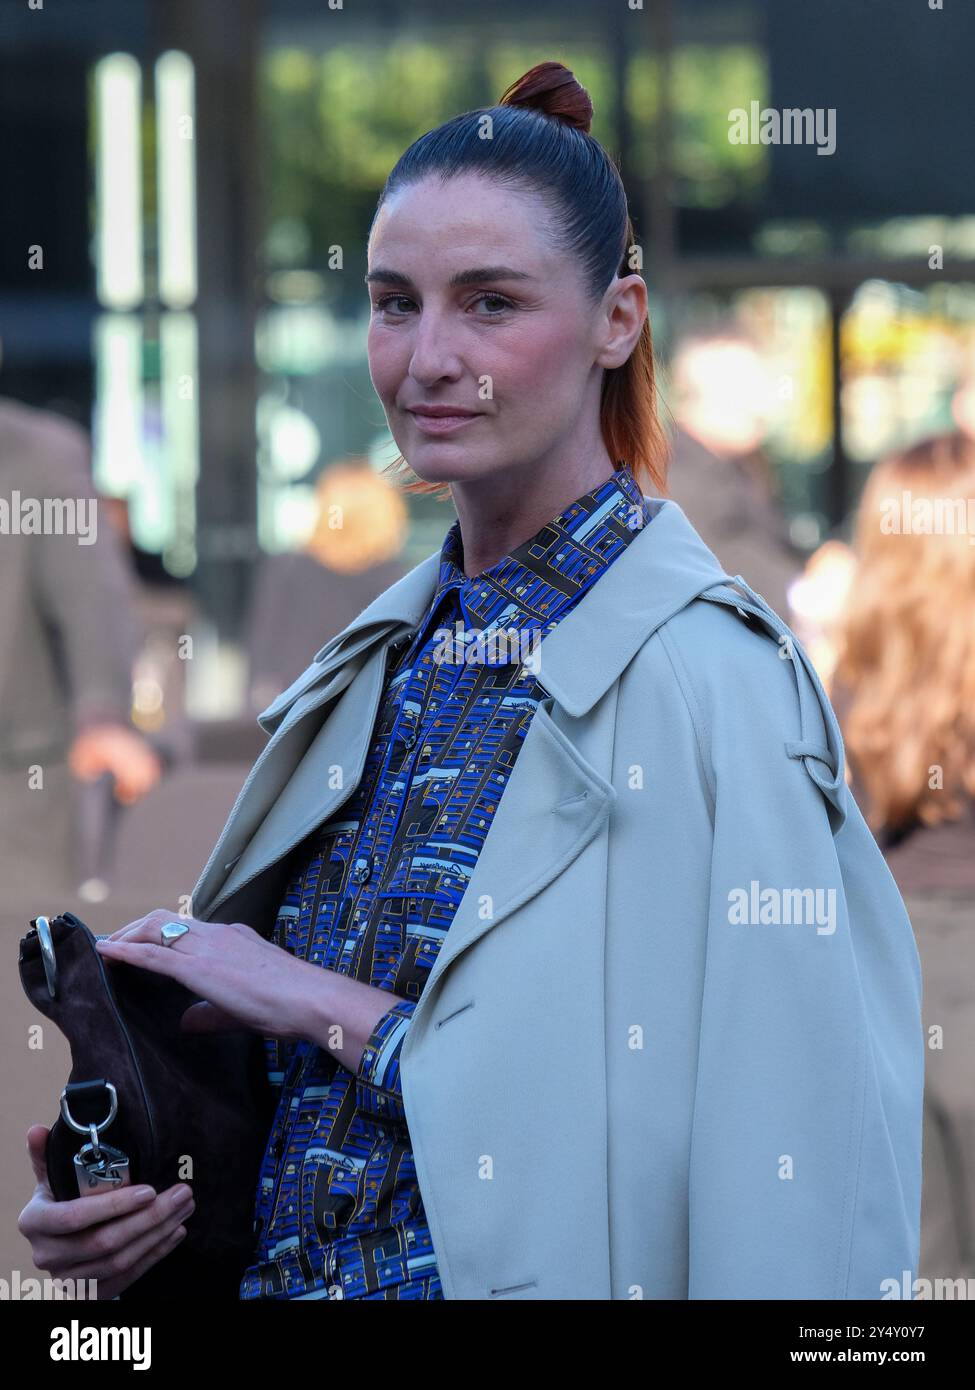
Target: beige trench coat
614,1087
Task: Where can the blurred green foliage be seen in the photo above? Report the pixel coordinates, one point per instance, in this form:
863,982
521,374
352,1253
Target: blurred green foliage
335,123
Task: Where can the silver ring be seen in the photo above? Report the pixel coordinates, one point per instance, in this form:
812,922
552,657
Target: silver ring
172,931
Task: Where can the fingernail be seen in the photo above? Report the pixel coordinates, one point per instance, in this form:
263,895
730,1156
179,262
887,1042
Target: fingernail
181,1195
144,1193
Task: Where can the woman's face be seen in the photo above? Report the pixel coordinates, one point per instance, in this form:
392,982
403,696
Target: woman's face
473,307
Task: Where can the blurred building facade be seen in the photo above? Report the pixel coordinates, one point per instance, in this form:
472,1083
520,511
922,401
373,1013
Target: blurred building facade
183,254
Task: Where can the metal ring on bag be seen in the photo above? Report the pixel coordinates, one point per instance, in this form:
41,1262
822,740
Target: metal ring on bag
46,941
87,1129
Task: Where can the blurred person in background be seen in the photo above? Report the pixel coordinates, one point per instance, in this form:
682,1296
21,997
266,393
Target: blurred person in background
146,565
963,402
817,601
904,690
166,609
720,396
818,596
68,639
351,556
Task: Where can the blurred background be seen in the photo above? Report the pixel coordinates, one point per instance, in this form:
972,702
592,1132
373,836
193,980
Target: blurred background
188,191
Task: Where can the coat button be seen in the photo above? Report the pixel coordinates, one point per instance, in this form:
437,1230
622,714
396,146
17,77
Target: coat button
362,869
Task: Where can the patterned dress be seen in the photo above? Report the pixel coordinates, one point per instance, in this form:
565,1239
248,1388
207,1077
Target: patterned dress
372,894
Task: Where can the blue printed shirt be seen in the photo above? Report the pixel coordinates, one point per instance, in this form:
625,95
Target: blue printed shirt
372,894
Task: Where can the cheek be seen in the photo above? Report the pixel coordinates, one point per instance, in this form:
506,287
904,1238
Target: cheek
532,363
388,357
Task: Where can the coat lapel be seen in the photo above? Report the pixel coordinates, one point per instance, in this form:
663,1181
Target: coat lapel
293,720
313,767
401,605
556,801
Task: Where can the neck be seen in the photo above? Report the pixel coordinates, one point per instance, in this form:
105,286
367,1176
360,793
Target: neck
499,512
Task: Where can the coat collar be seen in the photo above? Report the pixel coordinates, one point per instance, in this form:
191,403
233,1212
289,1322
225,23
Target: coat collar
525,590
662,569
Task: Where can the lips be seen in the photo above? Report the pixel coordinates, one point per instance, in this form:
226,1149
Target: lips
441,412
443,420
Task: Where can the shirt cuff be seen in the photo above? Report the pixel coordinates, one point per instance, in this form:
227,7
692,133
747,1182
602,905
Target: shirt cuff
378,1087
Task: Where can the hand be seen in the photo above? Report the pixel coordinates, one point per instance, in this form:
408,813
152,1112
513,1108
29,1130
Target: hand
122,752
244,980
113,1237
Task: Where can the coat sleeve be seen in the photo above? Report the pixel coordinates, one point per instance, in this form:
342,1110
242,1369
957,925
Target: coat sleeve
85,591
805,1160
379,1089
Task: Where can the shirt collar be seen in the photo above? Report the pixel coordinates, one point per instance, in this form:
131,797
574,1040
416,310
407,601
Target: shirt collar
545,576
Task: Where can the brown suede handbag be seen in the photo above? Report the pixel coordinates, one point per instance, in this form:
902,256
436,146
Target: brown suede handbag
148,1103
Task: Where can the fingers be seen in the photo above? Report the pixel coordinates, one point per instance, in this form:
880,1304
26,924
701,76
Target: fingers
103,1249
144,928
108,1288
205,1017
147,931
133,763
131,929
36,1149
118,1252
137,775
178,965
44,1216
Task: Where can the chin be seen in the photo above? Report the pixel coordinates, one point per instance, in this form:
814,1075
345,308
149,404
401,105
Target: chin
440,462
441,470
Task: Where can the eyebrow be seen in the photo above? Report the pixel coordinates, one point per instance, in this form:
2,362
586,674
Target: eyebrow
463,277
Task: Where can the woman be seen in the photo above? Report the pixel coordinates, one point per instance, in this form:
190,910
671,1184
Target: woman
904,686
569,1058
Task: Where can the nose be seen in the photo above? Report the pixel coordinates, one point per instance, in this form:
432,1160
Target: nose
434,357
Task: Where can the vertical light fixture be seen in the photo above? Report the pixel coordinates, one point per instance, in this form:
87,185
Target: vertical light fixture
119,277
178,338
179,374
176,179
118,182
119,406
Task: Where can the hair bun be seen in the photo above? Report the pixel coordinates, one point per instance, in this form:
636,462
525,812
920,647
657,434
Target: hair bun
553,90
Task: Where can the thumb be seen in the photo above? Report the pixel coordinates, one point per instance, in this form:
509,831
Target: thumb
207,1018
36,1147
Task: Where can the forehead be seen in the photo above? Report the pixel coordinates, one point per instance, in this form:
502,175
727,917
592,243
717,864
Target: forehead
450,221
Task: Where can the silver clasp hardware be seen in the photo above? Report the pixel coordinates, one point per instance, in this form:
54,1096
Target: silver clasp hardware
98,1166
101,1169
46,942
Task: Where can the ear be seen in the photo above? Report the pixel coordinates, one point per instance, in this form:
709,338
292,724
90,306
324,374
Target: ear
621,320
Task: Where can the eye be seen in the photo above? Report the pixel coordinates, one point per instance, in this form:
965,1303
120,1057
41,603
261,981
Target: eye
504,302
385,299
388,300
